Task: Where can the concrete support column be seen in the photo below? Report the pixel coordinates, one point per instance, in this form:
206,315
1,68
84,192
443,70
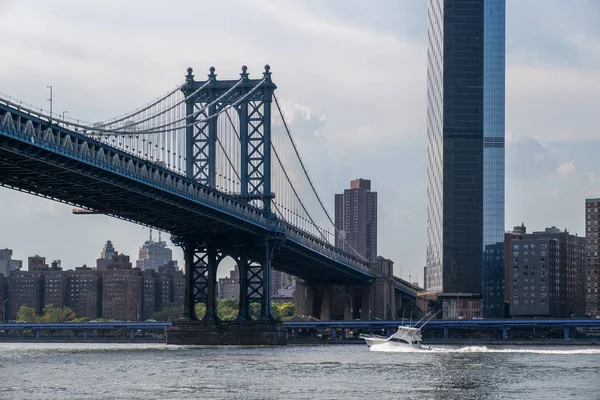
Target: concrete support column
85,333
505,335
37,333
366,304
348,305
566,333
326,304
304,298
445,332
131,334
334,333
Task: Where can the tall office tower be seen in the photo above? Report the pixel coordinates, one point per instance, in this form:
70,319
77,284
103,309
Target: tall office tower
465,151
592,305
153,254
356,219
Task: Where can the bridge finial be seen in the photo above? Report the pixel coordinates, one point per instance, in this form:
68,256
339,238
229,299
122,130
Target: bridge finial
267,73
189,77
212,76
244,74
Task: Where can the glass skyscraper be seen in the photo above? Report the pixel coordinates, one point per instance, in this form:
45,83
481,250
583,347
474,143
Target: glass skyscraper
465,150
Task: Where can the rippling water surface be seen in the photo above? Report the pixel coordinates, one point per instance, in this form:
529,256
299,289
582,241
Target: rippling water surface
129,371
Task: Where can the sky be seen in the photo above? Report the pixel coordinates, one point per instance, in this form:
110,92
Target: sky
354,73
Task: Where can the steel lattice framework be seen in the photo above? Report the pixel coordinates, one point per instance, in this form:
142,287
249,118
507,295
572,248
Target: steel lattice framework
41,156
254,113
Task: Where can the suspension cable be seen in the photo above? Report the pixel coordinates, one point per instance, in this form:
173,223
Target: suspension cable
157,129
166,110
141,110
308,177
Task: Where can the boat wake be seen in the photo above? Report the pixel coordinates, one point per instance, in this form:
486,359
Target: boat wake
392,348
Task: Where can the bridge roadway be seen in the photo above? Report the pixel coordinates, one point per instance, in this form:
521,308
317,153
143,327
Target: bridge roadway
50,161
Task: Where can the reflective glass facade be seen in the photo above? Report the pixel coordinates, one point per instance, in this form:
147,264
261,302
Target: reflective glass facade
465,190
494,34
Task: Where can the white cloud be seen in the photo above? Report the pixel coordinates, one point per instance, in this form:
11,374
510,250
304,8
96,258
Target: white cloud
565,169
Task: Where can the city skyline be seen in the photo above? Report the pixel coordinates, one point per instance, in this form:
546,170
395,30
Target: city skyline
550,151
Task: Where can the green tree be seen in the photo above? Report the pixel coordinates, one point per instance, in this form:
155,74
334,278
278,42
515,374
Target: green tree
170,312
26,314
53,314
200,309
283,311
227,309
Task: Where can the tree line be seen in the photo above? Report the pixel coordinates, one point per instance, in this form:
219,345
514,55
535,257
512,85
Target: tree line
227,310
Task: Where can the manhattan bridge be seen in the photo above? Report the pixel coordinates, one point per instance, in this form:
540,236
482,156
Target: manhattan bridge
212,162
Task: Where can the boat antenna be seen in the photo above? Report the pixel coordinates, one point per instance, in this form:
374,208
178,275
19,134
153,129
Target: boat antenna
426,322
410,321
421,319
403,311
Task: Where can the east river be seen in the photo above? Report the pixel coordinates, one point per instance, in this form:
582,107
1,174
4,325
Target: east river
152,371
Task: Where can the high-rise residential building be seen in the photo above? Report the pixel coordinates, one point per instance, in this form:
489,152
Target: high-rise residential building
25,288
37,263
122,293
546,274
517,233
465,151
229,287
592,303
55,288
356,219
153,254
148,294
282,284
7,264
118,261
84,292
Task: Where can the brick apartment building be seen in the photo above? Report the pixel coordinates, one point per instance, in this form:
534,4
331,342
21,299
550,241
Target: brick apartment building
592,303
118,292
545,273
84,292
356,219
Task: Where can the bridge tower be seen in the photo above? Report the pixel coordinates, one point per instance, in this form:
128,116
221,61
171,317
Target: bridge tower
205,102
254,114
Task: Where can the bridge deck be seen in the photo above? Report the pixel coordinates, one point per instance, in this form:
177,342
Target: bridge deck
69,167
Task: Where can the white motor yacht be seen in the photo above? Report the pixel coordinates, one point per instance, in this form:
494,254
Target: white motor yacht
406,336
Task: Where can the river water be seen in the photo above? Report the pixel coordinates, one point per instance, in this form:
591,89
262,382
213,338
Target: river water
152,371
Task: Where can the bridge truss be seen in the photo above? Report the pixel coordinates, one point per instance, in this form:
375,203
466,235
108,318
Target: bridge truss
208,162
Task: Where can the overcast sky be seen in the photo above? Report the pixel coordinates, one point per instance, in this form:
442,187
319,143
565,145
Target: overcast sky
355,72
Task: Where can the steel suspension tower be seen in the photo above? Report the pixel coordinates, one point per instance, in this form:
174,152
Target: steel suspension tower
206,101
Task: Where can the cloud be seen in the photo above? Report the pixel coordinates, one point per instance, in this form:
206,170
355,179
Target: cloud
529,158
565,169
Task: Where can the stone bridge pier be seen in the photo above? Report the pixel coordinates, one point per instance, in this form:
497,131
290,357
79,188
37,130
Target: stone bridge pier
371,300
